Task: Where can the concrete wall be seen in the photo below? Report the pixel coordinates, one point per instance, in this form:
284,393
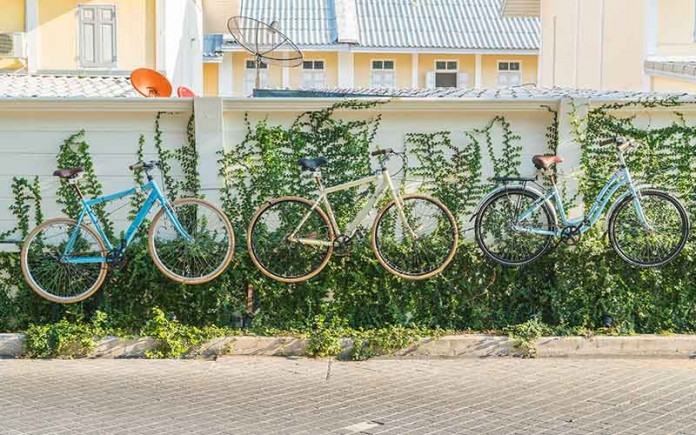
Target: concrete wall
32,131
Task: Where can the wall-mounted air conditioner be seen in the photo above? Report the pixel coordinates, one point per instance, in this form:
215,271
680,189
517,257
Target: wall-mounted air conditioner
12,44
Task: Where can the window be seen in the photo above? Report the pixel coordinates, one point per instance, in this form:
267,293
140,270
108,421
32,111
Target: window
313,74
446,73
509,73
383,74
97,36
250,77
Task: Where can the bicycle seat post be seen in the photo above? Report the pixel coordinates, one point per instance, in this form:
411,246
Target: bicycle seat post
74,182
317,179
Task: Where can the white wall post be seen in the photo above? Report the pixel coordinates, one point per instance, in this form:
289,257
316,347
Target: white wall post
31,25
479,72
346,69
568,146
210,138
226,76
414,71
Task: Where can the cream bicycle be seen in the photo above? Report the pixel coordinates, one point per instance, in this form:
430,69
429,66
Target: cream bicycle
291,239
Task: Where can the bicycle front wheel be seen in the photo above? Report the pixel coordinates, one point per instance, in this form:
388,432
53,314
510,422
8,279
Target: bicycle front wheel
196,246
417,240
654,242
57,273
290,240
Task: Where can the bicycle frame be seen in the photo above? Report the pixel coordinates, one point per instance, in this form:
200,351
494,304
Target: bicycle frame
155,196
351,229
619,179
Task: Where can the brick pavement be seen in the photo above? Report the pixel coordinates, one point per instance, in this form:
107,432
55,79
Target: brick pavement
248,395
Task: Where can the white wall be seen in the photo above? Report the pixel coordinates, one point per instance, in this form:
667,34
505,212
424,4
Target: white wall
32,131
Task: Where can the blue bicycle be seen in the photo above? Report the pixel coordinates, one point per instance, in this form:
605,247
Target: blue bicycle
516,223
66,260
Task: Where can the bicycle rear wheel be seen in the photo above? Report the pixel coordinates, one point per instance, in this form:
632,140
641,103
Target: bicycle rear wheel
45,264
419,246
280,258
659,243
495,229
200,257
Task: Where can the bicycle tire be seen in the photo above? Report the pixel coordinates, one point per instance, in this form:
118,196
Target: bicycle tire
253,240
51,294
678,247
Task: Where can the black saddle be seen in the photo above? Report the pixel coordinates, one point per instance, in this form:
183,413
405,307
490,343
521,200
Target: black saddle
68,172
312,164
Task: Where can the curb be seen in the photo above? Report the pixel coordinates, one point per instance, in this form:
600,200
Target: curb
451,346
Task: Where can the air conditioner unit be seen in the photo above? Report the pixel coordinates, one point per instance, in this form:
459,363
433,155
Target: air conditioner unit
12,44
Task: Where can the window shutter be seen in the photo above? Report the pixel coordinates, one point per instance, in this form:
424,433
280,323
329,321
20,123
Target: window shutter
97,36
463,80
430,80
107,32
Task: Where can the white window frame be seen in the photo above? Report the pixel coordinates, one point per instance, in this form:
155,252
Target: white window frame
454,71
310,75
384,73
250,76
508,72
98,63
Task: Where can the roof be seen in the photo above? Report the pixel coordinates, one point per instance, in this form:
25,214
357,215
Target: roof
305,22
521,93
448,24
404,24
56,86
685,69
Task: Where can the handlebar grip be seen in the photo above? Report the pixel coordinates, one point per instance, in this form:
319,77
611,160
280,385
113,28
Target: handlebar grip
382,152
135,166
608,141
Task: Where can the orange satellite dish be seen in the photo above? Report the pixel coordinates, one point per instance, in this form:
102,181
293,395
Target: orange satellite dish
150,83
184,92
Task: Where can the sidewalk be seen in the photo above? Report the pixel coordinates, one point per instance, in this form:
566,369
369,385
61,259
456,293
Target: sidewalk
460,346
253,395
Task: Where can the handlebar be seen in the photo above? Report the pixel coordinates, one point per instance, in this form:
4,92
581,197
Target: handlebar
152,164
382,152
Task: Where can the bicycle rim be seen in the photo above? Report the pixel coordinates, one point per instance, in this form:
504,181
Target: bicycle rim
200,257
283,259
49,274
657,244
419,246
496,235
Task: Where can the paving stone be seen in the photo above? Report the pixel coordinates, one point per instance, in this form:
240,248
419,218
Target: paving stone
250,395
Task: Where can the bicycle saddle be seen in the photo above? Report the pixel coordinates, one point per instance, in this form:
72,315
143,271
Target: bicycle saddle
544,162
312,164
68,172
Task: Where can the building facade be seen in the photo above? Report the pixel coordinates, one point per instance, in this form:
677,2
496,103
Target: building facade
102,37
376,44
647,45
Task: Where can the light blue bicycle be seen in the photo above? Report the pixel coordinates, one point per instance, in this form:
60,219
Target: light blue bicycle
66,260
516,222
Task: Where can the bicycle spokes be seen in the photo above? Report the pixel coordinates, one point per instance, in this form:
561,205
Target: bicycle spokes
62,262
651,232
418,242
289,241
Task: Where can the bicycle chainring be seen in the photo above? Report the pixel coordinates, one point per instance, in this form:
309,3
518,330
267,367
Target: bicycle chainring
343,245
571,235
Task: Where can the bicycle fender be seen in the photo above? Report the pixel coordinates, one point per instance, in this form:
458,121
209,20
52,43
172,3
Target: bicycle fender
514,186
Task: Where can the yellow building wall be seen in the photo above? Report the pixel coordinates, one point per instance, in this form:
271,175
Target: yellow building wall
426,63
676,28
489,69
135,32
662,84
362,68
210,79
330,69
11,20
12,16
